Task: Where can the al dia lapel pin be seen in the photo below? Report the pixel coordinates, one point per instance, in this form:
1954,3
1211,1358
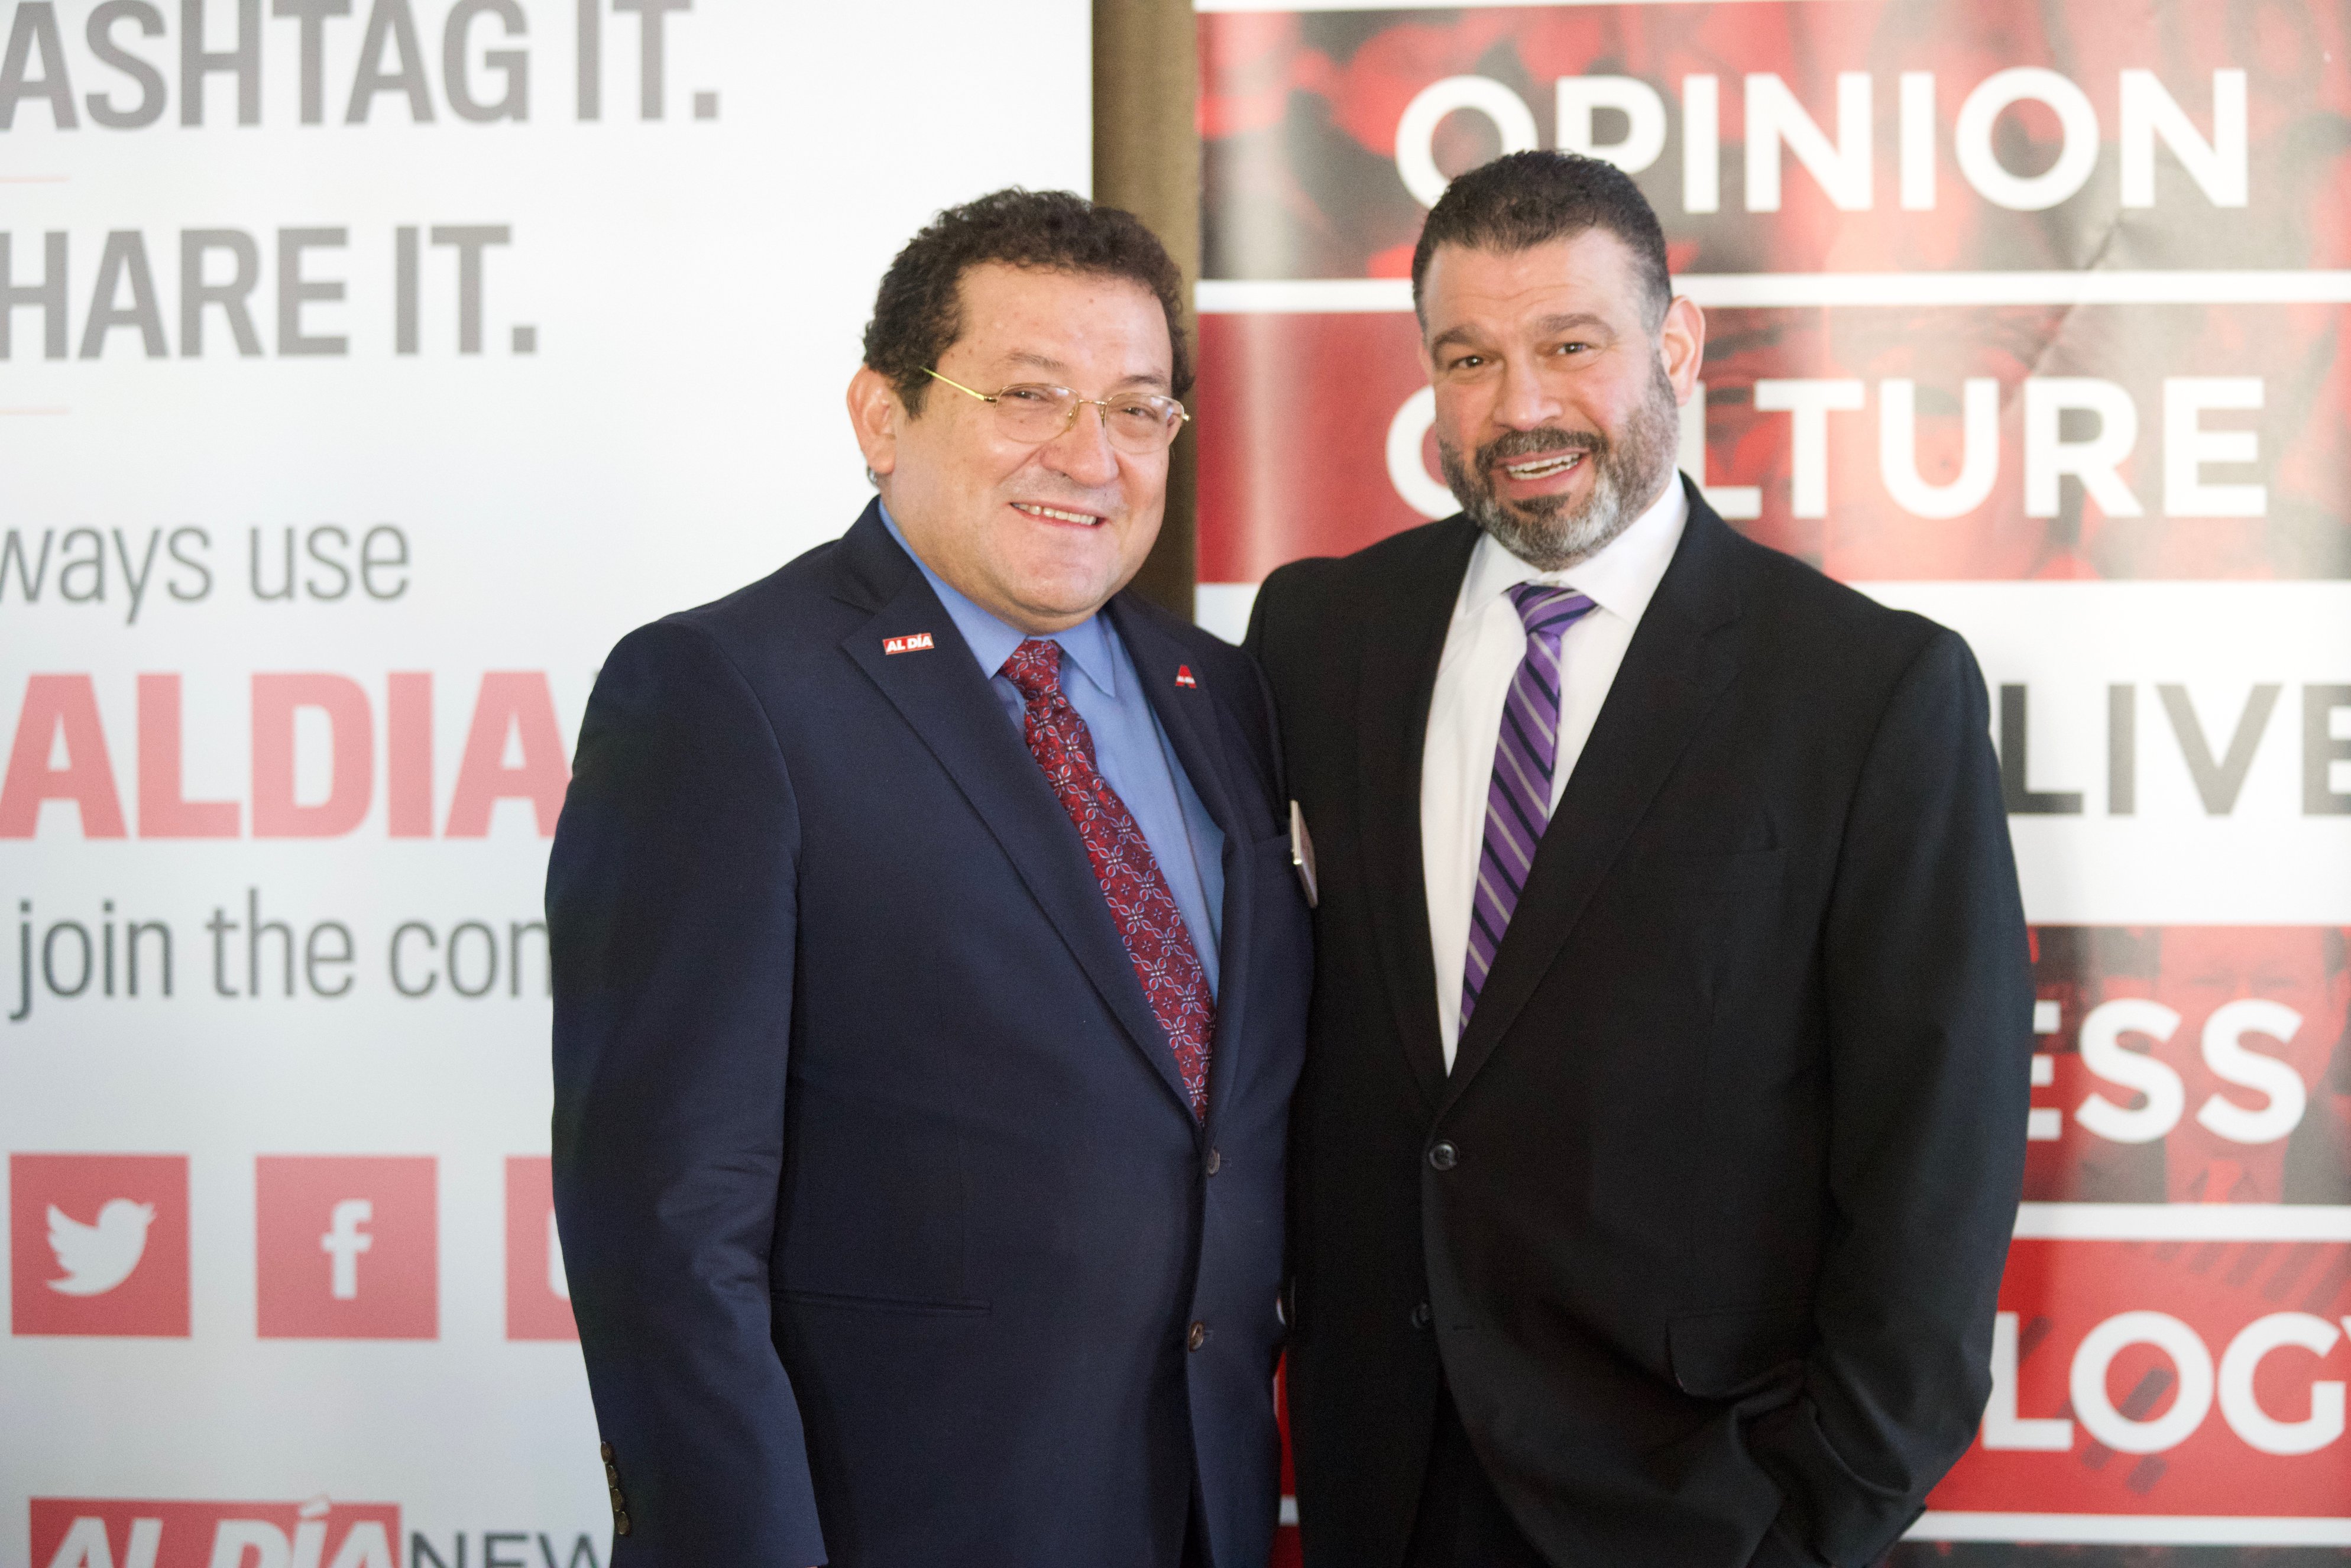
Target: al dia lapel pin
913,645
1184,675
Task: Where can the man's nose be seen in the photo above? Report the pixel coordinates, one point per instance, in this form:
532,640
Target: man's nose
1526,401
1083,452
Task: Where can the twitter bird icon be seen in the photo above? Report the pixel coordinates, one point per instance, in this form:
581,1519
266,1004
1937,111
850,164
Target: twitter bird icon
97,1258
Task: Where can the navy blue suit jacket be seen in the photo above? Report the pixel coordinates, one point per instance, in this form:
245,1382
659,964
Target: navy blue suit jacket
887,1222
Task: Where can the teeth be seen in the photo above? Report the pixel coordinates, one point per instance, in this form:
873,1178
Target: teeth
1545,468
1033,509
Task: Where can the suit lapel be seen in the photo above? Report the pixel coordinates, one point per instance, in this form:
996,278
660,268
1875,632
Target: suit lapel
1190,716
1672,675
1405,640
943,697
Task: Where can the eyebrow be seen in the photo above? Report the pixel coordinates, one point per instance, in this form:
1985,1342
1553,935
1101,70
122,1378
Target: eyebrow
1047,364
1572,319
1549,325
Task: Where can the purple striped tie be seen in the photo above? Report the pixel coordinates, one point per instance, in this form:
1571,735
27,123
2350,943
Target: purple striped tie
1517,802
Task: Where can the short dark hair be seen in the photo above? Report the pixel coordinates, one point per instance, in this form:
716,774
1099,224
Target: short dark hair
1521,200
918,312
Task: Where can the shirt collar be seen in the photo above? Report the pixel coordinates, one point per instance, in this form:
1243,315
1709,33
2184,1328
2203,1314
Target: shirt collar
992,641
1621,579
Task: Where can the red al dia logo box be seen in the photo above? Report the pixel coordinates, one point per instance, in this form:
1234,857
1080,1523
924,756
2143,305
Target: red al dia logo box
84,1532
346,1247
97,1244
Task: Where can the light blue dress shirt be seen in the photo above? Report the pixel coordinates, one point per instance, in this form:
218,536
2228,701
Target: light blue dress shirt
1129,748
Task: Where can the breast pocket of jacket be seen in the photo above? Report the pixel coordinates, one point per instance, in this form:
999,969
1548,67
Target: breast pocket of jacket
1281,887
1706,920
1707,893
1682,896
1280,930
1699,880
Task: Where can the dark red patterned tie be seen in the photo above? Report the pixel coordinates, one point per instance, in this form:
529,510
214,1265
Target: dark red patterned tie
1157,942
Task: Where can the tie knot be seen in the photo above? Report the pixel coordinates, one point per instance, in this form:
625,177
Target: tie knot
1547,610
1035,667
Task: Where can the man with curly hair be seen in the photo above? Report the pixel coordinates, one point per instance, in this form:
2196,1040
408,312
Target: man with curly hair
931,981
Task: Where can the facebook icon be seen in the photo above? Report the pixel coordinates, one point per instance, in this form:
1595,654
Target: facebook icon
316,1217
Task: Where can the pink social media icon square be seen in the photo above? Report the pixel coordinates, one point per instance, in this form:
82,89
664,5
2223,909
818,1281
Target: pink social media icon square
346,1247
538,1296
97,1244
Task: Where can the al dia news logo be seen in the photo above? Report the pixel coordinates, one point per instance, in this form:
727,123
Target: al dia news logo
86,1533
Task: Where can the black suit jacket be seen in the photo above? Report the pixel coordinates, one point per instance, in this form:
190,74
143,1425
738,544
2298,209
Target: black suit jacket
1704,1229
887,1220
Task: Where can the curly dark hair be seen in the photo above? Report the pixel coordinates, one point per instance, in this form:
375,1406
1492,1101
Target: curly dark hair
1521,200
918,311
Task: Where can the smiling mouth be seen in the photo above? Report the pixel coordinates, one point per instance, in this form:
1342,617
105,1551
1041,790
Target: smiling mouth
1058,514
1544,466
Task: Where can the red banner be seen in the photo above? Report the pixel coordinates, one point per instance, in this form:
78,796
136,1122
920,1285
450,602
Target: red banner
2198,1373
2029,317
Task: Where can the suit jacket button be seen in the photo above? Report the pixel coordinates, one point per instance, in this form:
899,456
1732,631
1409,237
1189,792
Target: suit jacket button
1215,1162
1444,1157
1198,1337
1420,1316
619,1524
606,1450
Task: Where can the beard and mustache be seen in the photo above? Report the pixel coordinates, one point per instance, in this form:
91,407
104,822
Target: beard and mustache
1551,533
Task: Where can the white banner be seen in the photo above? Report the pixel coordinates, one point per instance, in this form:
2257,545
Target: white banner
366,372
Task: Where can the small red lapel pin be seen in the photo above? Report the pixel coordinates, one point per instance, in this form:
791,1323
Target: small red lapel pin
913,645
1184,675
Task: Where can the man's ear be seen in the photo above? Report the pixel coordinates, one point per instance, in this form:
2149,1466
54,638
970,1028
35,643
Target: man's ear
876,414
1681,344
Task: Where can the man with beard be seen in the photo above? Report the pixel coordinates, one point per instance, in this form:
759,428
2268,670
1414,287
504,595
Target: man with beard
1659,1140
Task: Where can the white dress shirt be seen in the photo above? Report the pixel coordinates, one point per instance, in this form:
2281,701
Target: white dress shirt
1483,647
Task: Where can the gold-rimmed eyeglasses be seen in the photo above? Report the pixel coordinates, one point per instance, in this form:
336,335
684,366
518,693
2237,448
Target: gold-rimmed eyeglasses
1140,422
